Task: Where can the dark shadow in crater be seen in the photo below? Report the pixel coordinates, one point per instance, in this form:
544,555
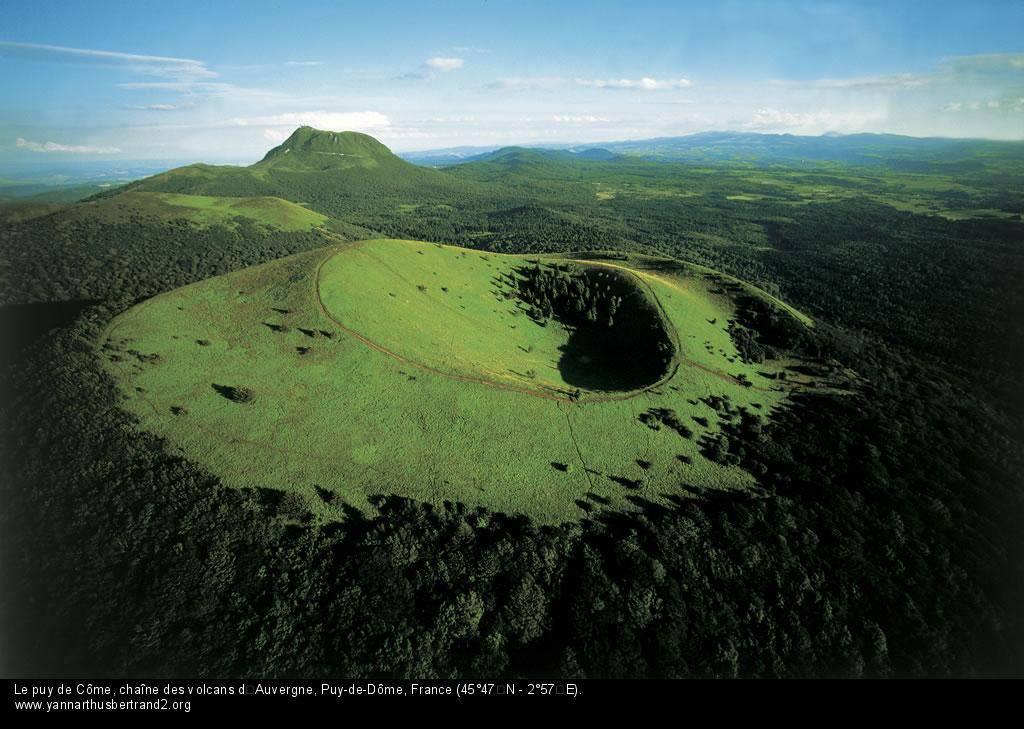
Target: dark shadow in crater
618,339
598,360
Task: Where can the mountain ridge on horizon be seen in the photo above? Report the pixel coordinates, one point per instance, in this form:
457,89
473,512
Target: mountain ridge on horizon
308,150
722,146
707,133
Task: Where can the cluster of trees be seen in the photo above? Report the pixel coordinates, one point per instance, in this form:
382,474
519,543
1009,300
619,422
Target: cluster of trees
576,297
741,429
618,339
761,330
654,418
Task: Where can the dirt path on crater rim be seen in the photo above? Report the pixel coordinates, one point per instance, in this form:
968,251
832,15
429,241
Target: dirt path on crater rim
677,359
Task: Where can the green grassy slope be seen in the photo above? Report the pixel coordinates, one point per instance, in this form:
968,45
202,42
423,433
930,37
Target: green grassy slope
454,313
311,149
336,418
203,210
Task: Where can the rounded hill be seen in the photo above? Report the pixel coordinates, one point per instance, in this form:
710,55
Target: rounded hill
338,174
542,385
308,147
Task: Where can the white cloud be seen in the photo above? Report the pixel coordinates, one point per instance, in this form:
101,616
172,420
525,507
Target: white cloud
55,147
950,70
816,122
578,119
971,105
227,93
526,83
431,67
304,63
642,84
959,96
275,135
178,86
883,81
444,65
154,65
985,63
331,121
403,134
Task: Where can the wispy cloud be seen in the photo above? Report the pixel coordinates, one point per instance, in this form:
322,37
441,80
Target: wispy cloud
431,67
986,106
153,65
224,92
641,84
985,63
181,87
948,71
55,147
890,81
173,86
578,119
275,135
444,65
813,122
304,63
156,107
526,83
958,96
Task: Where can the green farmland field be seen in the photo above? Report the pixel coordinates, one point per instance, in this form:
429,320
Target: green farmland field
391,366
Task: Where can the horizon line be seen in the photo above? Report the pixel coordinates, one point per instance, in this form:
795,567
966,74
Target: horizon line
34,159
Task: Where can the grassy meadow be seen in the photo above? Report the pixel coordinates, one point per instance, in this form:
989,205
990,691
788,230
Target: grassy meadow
393,366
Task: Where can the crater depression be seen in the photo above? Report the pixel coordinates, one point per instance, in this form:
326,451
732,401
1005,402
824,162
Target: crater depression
548,386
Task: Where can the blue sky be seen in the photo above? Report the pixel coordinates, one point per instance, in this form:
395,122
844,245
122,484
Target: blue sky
223,81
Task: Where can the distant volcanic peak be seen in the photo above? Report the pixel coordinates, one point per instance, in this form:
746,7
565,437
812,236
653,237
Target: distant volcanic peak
310,141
